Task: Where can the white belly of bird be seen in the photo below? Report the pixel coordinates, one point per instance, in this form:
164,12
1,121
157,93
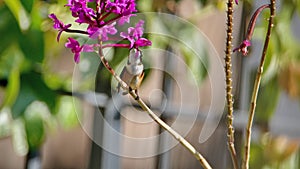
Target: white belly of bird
135,69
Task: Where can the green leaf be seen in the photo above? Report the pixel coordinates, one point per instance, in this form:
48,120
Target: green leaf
257,159
13,88
19,13
68,111
298,7
5,122
37,15
36,115
10,63
33,88
196,64
28,4
25,97
32,45
9,28
271,69
145,6
267,101
19,137
195,52
35,132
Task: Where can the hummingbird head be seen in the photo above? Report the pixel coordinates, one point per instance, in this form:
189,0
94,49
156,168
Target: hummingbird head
135,57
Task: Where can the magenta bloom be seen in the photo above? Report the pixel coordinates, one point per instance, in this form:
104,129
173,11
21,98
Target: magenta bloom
121,7
58,25
134,35
124,19
77,49
142,42
100,18
243,47
95,32
81,11
86,15
237,2
76,6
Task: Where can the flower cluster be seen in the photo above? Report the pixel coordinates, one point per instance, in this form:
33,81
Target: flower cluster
243,47
101,18
76,48
134,36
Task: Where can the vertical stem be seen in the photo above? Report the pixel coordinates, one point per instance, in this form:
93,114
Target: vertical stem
229,96
245,164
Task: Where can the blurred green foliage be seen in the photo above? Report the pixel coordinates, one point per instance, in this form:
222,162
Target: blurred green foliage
283,52
274,153
32,103
31,99
30,75
280,74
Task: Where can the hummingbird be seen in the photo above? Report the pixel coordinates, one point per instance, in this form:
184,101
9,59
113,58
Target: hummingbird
133,72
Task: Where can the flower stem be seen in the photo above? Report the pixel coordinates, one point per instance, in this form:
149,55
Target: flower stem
161,123
245,164
228,73
76,31
116,45
105,16
176,135
253,20
111,21
110,69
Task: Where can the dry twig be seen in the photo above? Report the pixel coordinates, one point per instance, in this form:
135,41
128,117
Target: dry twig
161,123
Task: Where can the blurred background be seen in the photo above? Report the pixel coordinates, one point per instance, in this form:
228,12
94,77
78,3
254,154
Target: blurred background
56,114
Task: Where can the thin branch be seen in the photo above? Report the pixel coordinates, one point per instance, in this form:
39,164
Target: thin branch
76,31
161,123
245,164
112,20
252,22
229,96
116,45
176,135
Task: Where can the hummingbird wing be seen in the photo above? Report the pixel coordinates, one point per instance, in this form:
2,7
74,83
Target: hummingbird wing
121,75
140,79
126,77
